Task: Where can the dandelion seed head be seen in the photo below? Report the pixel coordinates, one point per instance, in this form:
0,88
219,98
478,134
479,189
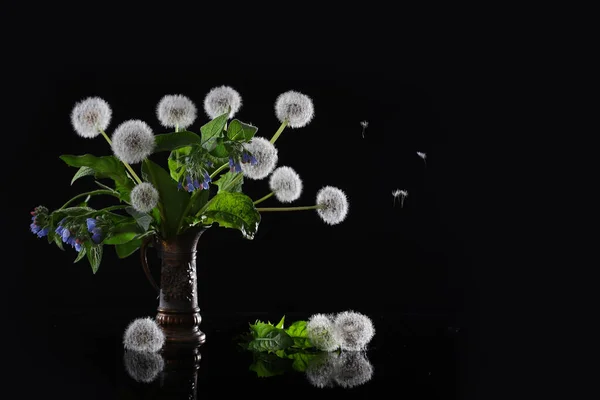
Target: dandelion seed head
353,369
144,197
133,141
220,99
322,332
176,110
143,366
89,116
265,154
321,370
335,205
354,330
286,184
143,334
295,107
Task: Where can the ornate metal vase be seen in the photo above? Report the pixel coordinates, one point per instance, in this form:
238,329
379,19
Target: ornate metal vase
178,311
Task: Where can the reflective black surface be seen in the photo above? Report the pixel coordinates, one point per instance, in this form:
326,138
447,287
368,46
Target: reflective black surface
82,356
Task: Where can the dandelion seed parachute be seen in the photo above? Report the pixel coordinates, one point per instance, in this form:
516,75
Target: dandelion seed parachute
133,141
294,107
286,184
322,332
336,205
143,366
265,154
144,197
143,334
354,330
89,116
220,99
176,110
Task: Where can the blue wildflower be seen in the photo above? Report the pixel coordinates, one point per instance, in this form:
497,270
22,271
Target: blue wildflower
91,223
97,235
42,232
65,235
234,166
78,246
34,228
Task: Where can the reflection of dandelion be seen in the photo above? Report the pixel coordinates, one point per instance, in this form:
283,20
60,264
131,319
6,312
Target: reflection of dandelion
143,366
322,370
400,193
353,369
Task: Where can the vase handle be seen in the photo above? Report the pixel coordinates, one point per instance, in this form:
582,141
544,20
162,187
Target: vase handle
143,249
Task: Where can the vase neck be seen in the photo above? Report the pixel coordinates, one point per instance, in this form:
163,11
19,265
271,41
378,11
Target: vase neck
184,243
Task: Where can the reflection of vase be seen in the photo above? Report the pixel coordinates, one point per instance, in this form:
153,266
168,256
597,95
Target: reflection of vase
179,379
178,312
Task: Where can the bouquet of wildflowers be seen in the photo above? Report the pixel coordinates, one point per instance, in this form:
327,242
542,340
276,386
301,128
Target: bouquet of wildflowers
202,186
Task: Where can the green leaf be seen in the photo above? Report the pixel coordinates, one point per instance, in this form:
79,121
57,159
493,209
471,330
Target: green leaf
94,253
83,171
172,203
126,249
57,240
299,334
220,151
197,201
239,131
230,182
144,220
175,140
104,167
120,238
233,210
280,323
80,255
272,339
213,130
301,360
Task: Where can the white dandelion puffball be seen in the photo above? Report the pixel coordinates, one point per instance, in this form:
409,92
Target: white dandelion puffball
322,332
143,366
89,116
286,184
335,205
354,330
353,369
144,197
322,370
294,107
266,158
133,141
221,98
176,110
144,334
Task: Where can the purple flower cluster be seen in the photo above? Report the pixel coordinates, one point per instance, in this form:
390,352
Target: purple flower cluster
35,227
246,158
193,184
95,230
67,237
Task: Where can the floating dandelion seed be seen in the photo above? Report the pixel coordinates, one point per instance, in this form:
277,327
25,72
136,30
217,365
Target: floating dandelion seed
364,125
423,156
400,193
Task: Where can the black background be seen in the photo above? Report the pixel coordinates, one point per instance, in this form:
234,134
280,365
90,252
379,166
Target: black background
423,262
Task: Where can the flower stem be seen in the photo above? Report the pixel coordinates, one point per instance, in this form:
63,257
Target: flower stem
264,198
279,131
300,208
92,193
176,127
221,168
131,171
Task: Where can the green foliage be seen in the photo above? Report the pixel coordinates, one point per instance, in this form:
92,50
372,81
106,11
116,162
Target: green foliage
211,131
297,331
230,182
128,248
233,210
239,131
81,172
94,254
175,140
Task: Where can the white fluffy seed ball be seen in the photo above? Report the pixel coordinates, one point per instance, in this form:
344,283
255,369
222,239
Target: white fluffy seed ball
294,107
144,334
322,370
176,110
133,141
286,184
89,116
266,158
322,332
354,330
144,197
220,99
335,205
353,369
143,366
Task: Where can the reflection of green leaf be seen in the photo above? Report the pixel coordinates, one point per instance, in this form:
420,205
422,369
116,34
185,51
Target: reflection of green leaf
269,365
233,210
239,131
301,360
230,182
175,140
